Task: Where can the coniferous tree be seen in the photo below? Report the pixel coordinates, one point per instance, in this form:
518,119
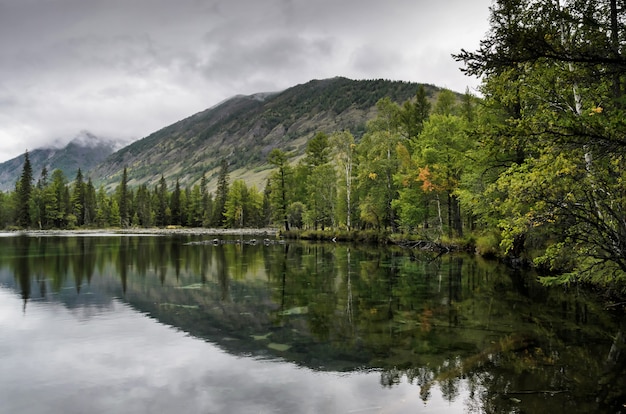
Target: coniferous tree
235,208
412,114
207,202
24,188
175,205
318,150
90,203
266,209
221,194
39,198
114,214
143,206
4,208
103,208
185,207
279,181
194,206
56,206
123,200
321,182
162,209
78,199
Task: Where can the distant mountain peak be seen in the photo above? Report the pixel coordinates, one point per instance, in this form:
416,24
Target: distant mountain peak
86,139
84,151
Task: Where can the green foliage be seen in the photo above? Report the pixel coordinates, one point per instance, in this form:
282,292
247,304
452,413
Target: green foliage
243,206
554,86
317,150
446,103
295,214
23,189
378,161
322,196
345,156
162,203
123,200
411,209
281,186
488,244
221,196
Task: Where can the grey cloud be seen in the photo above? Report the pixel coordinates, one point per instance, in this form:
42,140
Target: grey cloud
271,55
375,60
127,68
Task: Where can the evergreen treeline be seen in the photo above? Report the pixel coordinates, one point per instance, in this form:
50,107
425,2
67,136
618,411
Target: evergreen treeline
535,169
338,184
54,203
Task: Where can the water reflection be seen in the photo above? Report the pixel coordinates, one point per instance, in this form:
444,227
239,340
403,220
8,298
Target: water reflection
491,340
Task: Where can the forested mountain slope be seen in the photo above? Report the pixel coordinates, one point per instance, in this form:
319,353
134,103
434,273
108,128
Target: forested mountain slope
244,129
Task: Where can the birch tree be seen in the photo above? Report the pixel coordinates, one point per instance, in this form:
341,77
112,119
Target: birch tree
345,148
567,192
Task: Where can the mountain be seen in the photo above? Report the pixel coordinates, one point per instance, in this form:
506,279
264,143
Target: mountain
244,129
85,151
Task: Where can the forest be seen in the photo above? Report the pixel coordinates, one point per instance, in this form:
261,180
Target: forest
532,168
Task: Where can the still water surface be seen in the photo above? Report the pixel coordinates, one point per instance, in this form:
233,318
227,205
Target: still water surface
173,324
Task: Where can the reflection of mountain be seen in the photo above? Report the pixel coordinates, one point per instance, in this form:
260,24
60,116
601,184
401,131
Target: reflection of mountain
334,307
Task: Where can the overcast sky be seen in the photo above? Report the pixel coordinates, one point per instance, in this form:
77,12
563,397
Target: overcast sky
123,69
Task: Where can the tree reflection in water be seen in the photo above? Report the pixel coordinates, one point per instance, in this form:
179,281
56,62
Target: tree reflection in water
454,321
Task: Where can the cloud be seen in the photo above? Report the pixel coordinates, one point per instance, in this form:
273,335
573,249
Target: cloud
373,59
124,69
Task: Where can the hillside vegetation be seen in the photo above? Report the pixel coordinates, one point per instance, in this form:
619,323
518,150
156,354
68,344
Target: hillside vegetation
244,129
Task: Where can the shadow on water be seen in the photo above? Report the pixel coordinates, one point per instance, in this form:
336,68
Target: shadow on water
434,320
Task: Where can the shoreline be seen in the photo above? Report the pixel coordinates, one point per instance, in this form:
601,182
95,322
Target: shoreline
155,231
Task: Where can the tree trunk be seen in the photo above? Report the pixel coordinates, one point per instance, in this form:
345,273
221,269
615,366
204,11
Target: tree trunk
612,383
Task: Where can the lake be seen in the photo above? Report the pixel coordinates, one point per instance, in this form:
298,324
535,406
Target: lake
109,323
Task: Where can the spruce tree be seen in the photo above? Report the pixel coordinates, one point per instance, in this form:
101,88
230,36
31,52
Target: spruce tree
90,203
175,205
24,191
78,198
162,203
123,200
